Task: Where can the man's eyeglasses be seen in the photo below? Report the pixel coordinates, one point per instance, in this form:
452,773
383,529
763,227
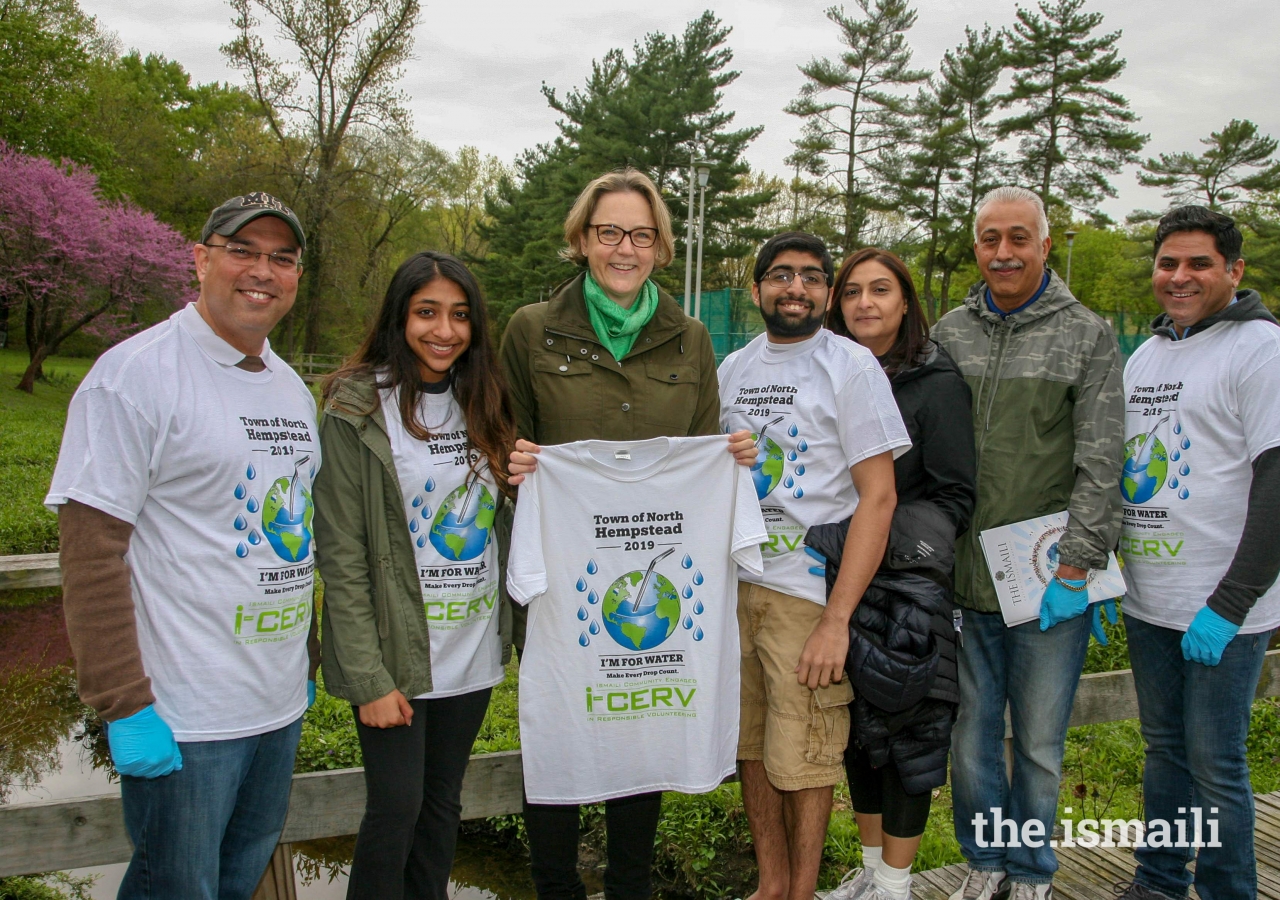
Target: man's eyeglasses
243,257
809,280
612,235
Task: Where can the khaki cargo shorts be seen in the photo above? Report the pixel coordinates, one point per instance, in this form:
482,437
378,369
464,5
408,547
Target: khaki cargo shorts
799,734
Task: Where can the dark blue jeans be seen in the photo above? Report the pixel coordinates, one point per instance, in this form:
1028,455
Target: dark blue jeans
207,831
1037,673
1195,720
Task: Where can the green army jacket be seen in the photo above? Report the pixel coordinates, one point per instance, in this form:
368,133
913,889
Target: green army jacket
1048,417
374,634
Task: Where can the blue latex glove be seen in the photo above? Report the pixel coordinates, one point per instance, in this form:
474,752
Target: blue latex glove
1099,634
311,690
821,568
142,745
1060,603
1207,637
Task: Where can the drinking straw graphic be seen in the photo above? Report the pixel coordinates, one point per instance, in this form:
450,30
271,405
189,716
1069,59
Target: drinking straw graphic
1148,445
635,607
473,482
760,434
293,482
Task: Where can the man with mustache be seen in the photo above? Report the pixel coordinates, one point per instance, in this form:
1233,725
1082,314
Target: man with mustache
828,429
1049,428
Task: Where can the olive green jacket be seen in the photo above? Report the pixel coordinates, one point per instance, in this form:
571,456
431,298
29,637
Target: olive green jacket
1048,417
374,634
565,386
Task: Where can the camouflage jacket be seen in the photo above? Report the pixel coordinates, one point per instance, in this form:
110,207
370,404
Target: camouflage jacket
1048,422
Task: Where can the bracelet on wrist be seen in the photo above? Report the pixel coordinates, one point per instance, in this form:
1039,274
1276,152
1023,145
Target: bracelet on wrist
1084,583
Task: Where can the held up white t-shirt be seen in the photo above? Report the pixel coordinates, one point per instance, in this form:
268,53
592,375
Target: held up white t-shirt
451,513
213,466
628,554
1198,412
817,408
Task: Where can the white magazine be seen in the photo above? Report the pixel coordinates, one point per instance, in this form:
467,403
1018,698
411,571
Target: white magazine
1022,558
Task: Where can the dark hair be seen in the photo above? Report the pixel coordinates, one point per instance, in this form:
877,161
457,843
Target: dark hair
1226,236
792,240
913,333
476,378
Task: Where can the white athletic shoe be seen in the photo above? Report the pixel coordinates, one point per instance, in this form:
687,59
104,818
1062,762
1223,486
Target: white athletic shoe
1020,891
979,886
855,883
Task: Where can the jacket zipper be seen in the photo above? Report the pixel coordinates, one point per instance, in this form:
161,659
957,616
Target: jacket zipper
1000,337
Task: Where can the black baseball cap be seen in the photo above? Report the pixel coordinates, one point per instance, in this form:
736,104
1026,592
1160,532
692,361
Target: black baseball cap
238,212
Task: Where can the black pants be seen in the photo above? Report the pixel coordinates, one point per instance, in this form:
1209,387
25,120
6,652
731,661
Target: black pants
878,792
630,826
414,775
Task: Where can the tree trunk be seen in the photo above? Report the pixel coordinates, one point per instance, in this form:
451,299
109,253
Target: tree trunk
34,370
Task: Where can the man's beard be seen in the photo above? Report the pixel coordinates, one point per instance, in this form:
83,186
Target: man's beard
784,326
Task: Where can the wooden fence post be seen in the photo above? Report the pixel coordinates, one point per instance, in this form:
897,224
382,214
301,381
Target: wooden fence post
277,882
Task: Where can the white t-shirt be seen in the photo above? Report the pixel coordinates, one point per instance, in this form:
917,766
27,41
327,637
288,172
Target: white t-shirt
822,405
451,514
628,556
1198,412
213,466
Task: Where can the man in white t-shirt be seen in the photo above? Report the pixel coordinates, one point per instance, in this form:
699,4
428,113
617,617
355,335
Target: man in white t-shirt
1201,488
183,492
827,428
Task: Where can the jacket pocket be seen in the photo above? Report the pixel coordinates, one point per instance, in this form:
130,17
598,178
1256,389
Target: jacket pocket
565,389
671,398
829,723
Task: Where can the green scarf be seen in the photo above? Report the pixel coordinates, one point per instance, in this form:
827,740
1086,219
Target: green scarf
616,326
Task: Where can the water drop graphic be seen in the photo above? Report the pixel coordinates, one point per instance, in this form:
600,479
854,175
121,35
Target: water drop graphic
312,472
688,622
252,505
1173,482
241,550
593,598
426,512
422,541
595,628
793,456
417,501
788,482
1186,444
413,525
592,568
799,492
1184,470
240,523
1177,429
698,608
687,562
803,446
1175,455
251,473
240,492
697,577
687,592
793,430
582,613
799,470
583,639
255,538
430,485
582,584
1184,493
697,634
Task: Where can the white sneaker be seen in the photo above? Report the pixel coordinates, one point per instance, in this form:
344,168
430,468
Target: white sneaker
855,883
876,892
1020,891
979,886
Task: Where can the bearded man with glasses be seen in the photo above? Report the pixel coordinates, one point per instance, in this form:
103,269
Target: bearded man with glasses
183,493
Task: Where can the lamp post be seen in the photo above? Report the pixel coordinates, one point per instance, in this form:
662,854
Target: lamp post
688,240
704,174
1071,240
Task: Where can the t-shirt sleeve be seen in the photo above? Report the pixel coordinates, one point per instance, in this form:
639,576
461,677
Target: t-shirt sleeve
106,455
748,524
527,567
868,416
1259,411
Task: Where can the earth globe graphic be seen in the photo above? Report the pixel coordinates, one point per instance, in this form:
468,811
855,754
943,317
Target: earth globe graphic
287,514
653,622
1145,466
464,522
767,471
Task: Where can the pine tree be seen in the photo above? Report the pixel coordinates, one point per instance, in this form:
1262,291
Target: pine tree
1074,131
850,115
1222,175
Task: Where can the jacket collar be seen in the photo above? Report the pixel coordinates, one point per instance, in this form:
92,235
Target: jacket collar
355,399
1247,307
567,315
1056,297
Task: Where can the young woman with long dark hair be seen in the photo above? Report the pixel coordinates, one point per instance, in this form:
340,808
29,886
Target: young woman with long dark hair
416,432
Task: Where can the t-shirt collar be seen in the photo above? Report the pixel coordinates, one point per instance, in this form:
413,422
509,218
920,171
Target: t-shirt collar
776,353
213,346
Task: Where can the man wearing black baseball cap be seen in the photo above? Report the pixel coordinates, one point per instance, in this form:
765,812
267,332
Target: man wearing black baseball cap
183,493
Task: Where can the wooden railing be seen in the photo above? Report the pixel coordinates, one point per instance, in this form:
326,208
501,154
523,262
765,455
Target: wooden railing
52,835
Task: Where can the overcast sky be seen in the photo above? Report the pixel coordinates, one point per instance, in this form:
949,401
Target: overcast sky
478,66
